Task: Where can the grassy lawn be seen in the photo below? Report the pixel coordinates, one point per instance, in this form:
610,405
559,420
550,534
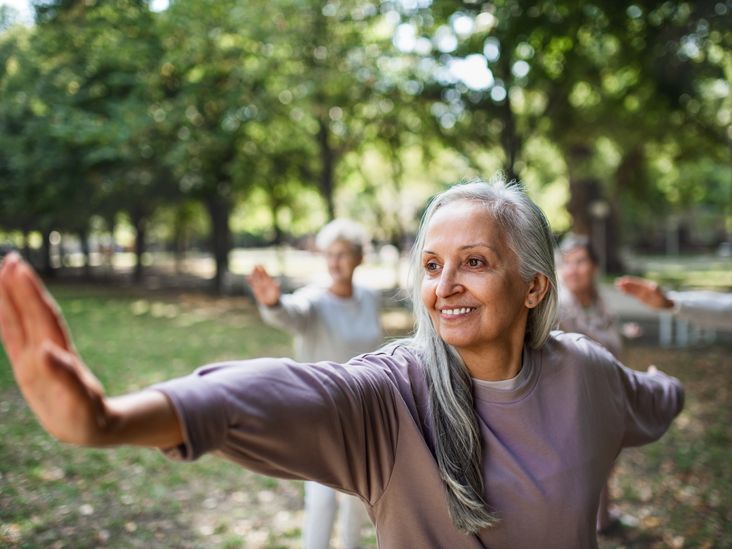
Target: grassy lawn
52,495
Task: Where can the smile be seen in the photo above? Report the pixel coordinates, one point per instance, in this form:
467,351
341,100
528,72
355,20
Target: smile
457,311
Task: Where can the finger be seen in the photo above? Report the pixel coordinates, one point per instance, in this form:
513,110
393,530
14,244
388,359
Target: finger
624,282
257,274
41,316
71,361
630,287
11,327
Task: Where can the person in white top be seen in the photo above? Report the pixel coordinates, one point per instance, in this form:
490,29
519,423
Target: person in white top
333,323
711,309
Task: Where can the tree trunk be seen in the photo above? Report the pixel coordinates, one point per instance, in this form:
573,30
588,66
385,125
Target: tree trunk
279,235
510,139
592,214
327,160
84,241
180,238
139,221
218,210
26,245
46,266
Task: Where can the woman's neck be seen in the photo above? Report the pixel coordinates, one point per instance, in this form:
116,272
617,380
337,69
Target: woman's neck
495,364
341,289
585,298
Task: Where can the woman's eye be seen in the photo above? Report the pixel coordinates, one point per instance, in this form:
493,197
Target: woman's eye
431,266
475,262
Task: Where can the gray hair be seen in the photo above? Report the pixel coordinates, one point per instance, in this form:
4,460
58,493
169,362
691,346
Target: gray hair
574,241
345,230
458,446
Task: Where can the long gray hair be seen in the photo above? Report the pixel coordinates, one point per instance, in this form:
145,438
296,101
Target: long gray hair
457,441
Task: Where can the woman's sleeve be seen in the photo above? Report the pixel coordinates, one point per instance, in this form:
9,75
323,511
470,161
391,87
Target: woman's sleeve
652,401
332,423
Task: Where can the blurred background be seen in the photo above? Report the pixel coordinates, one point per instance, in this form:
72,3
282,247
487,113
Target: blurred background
148,149
181,127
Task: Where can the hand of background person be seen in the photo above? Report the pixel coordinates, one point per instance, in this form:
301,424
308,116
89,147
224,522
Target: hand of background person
631,330
645,291
62,392
266,289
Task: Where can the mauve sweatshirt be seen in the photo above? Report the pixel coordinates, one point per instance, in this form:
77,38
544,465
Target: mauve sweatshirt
363,428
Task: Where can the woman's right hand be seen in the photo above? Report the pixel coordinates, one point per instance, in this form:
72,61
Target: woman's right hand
63,393
266,289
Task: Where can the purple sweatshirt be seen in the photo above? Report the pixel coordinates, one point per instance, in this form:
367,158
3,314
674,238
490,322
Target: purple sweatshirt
363,427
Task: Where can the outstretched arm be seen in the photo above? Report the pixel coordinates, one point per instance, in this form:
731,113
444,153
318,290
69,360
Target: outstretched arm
63,393
645,291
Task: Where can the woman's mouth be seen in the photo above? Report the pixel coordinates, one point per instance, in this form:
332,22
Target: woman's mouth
456,311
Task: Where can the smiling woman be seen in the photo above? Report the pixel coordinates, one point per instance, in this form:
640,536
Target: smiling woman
482,430
477,301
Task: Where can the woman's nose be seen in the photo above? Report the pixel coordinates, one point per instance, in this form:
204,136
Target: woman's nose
448,283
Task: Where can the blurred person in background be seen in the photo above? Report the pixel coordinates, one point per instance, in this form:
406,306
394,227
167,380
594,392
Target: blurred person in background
583,310
333,323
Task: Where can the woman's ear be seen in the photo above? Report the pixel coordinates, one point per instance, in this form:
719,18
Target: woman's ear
538,288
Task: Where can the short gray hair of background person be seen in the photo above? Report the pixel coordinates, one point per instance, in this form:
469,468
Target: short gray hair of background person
573,242
345,230
457,441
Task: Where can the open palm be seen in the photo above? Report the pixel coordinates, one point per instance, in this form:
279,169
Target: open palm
64,395
266,289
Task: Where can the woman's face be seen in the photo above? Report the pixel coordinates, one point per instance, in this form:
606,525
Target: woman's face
471,284
577,271
342,261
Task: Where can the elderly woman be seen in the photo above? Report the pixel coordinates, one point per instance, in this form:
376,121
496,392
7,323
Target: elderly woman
334,323
483,430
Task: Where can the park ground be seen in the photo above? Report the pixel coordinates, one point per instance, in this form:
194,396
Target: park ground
679,489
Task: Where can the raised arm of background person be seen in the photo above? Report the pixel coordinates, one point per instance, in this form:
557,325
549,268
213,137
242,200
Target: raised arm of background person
646,291
67,399
291,312
713,309
265,288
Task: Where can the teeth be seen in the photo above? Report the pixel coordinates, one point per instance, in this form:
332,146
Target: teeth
461,311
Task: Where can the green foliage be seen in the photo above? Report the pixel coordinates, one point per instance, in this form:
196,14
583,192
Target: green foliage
109,107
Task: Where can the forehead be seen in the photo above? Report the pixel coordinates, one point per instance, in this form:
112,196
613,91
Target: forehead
575,254
340,245
463,220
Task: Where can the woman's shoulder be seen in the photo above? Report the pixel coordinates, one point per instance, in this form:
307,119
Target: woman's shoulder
395,355
397,360
571,348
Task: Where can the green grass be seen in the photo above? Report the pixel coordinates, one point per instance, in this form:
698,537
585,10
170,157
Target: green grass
55,495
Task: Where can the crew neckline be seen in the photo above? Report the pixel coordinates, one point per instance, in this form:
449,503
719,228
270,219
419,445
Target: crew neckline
509,390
